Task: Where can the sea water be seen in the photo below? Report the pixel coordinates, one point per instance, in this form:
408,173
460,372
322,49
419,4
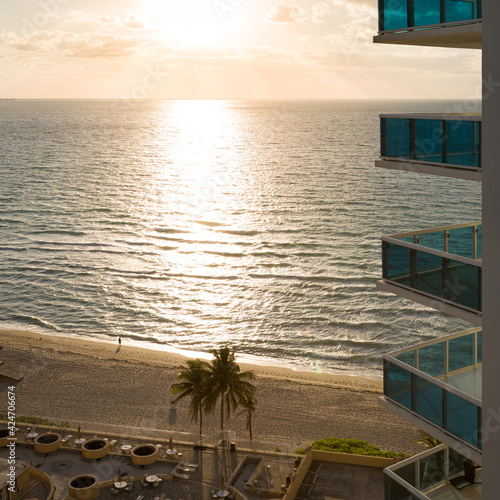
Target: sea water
195,224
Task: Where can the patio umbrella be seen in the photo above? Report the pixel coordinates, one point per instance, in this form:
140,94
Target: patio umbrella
119,475
222,483
79,434
170,444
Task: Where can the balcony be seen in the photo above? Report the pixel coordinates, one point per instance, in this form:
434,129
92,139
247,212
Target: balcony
437,387
439,268
434,23
431,475
448,144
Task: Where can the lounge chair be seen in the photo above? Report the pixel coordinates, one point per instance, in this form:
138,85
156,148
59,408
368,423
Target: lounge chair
181,476
468,478
186,464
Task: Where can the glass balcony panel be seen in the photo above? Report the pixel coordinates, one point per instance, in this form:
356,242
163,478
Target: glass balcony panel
462,143
429,274
427,12
397,384
398,268
479,242
395,491
407,358
435,275
395,15
461,10
432,240
461,352
480,347
428,141
397,137
431,359
428,400
432,470
409,473
460,242
462,284
462,419
455,463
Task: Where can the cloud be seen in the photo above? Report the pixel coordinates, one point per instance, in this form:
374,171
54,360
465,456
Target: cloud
98,21
135,22
319,11
285,14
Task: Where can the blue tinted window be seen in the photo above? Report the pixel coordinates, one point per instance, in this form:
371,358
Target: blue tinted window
431,359
462,419
461,352
395,14
397,384
428,140
429,401
461,10
462,143
397,137
427,12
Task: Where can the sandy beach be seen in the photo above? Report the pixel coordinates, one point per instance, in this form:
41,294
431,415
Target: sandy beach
93,382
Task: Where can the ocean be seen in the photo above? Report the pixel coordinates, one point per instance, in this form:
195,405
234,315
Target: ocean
187,225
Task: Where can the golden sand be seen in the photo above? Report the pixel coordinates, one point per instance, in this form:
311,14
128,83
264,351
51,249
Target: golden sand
89,381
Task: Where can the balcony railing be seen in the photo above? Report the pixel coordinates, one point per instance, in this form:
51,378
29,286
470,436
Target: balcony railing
431,471
442,263
451,140
406,15
439,381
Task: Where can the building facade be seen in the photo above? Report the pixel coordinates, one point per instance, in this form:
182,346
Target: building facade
446,387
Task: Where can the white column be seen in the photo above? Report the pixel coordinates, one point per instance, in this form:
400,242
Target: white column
491,248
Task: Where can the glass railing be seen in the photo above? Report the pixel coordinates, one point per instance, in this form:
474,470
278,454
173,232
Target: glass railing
426,472
449,139
405,15
421,379
444,263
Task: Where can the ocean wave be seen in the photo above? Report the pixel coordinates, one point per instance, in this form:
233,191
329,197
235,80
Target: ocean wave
65,232
31,320
236,232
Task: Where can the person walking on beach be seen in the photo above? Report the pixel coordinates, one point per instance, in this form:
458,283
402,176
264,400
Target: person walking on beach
119,341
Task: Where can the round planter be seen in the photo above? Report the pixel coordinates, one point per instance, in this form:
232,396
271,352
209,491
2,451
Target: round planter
83,487
47,443
4,434
144,454
95,448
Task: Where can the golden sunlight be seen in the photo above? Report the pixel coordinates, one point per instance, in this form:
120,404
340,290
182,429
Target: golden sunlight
181,23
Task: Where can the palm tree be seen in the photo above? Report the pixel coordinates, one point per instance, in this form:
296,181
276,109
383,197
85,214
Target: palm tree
427,440
193,383
227,383
249,404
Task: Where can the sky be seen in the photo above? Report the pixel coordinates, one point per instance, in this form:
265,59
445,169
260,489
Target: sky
218,49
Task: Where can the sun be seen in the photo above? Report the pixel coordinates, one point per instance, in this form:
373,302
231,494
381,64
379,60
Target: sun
187,22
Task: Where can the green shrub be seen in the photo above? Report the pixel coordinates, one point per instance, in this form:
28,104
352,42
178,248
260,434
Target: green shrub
352,446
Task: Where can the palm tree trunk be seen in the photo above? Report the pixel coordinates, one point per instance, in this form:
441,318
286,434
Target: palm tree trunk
222,412
250,426
201,420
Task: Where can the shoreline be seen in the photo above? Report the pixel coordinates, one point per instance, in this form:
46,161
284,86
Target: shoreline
103,350
99,384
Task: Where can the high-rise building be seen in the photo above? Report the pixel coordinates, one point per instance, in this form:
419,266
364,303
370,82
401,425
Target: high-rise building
447,387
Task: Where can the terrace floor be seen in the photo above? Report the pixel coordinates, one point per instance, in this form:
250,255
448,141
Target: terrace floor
469,382
449,492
